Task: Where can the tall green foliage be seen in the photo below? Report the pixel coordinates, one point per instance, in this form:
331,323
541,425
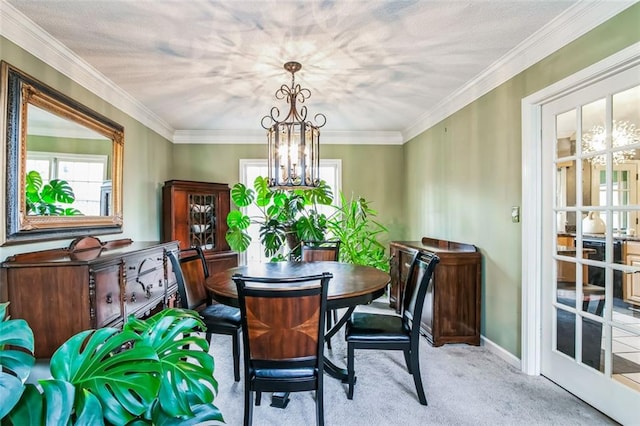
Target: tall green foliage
353,224
154,371
294,213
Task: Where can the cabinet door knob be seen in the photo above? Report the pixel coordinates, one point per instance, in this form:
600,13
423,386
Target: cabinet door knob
109,298
133,297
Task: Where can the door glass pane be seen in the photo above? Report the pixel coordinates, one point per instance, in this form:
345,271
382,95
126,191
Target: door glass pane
626,117
566,332
566,171
566,134
592,344
594,140
626,356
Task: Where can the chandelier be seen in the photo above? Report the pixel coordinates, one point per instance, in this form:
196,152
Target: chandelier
623,133
294,142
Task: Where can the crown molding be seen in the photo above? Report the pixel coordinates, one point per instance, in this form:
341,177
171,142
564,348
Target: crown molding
22,31
259,137
565,28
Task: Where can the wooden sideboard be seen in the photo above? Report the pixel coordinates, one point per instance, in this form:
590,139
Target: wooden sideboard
452,306
61,292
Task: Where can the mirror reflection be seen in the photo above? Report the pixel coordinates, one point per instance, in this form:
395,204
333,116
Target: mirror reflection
75,157
63,164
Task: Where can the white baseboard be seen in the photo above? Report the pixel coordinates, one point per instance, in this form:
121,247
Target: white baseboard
501,352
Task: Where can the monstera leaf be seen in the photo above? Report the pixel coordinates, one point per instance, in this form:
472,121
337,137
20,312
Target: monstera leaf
237,236
15,363
242,196
321,194
116,367
45,199
153,371
187,384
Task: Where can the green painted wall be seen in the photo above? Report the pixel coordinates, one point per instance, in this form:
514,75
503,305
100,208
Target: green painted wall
147,155
463,175
72,146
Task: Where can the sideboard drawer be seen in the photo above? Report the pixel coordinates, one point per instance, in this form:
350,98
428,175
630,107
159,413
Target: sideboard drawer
145,286
108,303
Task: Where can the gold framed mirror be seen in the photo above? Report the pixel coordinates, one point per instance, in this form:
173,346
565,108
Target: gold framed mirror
63,164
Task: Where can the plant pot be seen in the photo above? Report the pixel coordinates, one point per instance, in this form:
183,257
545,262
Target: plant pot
292,239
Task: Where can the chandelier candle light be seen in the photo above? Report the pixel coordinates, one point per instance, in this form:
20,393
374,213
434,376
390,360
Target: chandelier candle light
623,133
294,142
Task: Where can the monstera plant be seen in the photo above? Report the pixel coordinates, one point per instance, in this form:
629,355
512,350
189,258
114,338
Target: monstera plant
286,216
47,199
155,371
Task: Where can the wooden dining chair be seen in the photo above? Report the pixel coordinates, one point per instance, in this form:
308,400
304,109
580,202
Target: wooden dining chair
191,271
314,251
393,332
319,250
283,336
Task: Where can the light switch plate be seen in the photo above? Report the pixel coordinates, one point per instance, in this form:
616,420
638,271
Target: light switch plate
515,214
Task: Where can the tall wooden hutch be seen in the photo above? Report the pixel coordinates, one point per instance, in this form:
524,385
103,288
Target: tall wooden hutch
195,214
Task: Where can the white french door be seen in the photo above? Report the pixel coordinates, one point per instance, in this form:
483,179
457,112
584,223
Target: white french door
590,336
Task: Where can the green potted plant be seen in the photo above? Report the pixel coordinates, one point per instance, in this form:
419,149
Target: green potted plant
45,199
353,224
286,217
154,371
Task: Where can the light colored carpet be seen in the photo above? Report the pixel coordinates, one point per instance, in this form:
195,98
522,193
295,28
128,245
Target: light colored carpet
464,385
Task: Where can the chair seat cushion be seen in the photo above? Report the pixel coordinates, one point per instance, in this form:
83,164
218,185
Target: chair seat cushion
366,327
219,315
285,373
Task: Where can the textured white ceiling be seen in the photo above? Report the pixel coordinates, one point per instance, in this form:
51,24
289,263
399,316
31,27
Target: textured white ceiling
215,65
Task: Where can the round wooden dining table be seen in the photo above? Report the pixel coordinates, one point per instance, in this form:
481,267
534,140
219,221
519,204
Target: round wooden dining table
351,285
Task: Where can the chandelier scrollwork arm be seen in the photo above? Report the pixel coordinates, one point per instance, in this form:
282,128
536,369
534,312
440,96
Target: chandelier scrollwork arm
269,120
320,119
